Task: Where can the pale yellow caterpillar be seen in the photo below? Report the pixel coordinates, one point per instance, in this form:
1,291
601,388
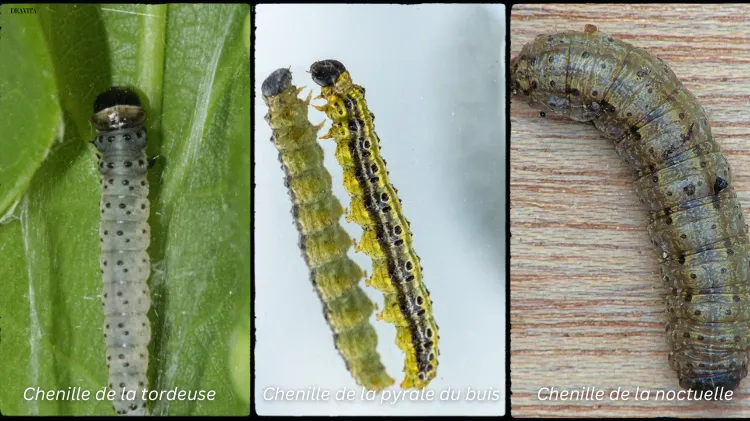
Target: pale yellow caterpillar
323,241
386,235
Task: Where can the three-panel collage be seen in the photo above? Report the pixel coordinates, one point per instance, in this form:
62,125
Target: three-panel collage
509,210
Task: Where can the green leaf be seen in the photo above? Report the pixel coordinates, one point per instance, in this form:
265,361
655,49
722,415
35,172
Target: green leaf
190,65
31,116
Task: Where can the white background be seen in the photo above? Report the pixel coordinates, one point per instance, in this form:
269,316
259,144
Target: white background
434,76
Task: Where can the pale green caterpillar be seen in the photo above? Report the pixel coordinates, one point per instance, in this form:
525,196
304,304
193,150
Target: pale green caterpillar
323,241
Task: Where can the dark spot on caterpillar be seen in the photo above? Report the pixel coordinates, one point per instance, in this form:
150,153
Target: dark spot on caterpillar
636,135
542,114
689,189
720,185
552,83
606,106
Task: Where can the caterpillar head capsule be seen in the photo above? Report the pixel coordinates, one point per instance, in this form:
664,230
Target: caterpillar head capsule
117,108
325,72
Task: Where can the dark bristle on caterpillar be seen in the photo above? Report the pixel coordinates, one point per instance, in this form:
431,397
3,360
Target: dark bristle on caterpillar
323,241
124,237
682,176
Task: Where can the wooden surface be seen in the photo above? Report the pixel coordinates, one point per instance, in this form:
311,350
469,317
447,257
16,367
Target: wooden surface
587,304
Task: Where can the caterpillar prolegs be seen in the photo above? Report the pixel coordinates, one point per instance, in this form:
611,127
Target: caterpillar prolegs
323,241
376,207
125,236
682,177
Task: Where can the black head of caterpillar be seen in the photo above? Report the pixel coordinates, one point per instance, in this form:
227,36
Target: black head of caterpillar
326,72
118,110
277,82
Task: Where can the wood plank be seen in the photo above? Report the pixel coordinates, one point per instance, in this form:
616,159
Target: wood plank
586,300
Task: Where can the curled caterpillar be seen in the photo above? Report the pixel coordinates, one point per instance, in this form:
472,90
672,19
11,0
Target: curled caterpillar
125,236
323,241
682,177
376,208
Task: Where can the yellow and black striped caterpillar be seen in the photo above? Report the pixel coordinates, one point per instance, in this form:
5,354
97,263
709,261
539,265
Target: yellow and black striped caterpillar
323,241
682,176
376,208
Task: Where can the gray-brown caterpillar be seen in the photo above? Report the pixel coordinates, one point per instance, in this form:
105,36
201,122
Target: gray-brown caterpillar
696,221
125,236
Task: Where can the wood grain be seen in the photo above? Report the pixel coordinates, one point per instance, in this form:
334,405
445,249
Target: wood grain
587,305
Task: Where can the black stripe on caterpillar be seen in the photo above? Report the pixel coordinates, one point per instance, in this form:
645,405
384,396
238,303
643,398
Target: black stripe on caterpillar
323,241
386,236
125,236
682,176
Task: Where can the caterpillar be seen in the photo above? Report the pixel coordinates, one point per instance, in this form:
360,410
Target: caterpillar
386,237
682,177
125,236
323,241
